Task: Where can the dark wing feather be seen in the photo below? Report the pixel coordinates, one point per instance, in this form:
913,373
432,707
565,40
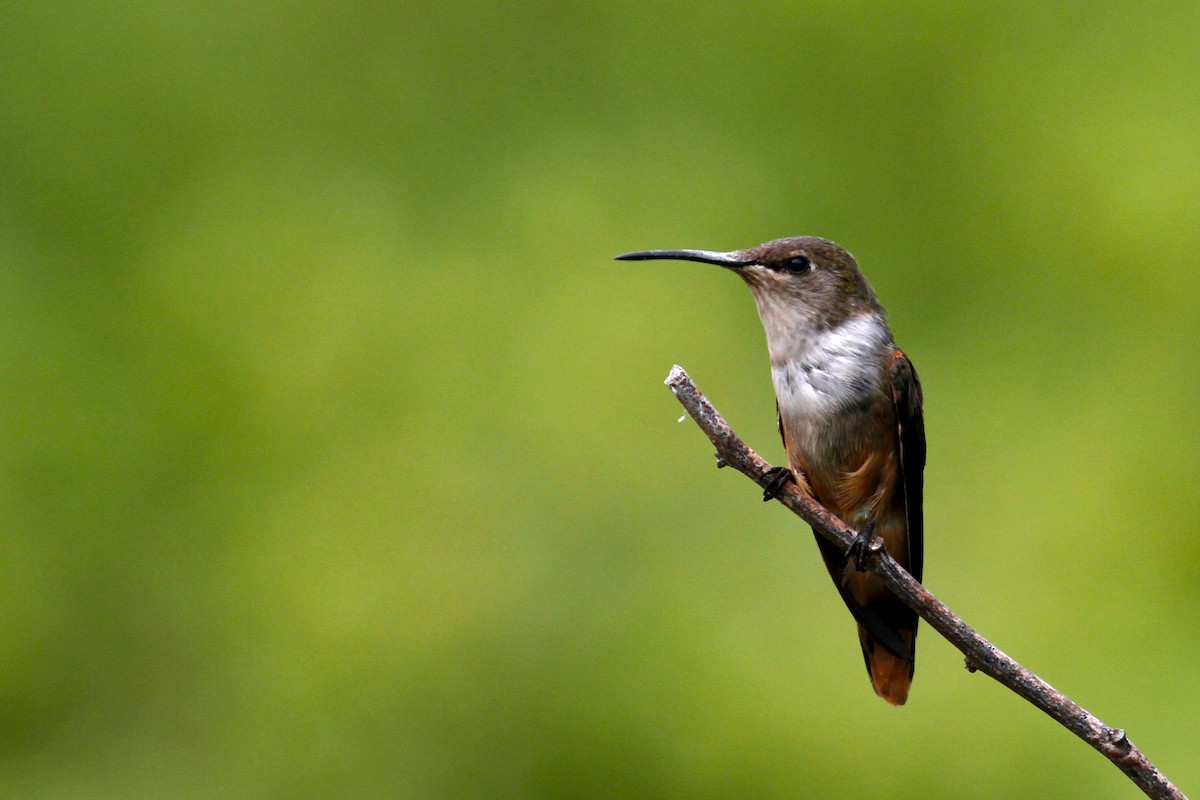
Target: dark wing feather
779,424
906,393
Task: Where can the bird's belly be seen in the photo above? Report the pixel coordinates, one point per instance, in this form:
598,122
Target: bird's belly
848,457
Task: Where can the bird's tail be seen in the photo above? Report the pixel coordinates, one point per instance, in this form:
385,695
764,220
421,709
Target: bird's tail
891,675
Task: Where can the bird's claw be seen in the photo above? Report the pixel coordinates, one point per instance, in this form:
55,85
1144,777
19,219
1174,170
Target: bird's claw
776,477
859,550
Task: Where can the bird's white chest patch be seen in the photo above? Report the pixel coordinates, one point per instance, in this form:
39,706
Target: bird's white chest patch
815,375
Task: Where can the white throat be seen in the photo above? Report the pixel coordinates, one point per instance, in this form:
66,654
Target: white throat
818,373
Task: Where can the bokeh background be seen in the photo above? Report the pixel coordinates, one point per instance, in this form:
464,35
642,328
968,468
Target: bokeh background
336,456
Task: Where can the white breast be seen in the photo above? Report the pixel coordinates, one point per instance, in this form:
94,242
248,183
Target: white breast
815,375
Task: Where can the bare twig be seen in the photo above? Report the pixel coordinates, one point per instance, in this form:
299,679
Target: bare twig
980,654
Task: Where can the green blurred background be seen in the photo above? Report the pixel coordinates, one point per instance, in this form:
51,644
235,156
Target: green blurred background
336,456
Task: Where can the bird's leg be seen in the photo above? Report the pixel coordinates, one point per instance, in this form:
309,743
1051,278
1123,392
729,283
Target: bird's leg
858,548
776,478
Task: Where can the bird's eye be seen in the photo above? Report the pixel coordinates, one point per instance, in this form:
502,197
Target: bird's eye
796,264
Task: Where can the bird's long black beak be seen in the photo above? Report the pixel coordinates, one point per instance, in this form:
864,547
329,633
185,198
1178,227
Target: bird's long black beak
734,260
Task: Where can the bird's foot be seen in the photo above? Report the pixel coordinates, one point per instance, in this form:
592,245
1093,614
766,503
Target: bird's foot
859,548
776,478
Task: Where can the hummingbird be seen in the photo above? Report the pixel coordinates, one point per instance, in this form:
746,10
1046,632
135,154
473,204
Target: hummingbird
848,403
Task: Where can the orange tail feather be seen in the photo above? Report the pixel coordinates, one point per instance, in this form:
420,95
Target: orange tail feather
891,676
